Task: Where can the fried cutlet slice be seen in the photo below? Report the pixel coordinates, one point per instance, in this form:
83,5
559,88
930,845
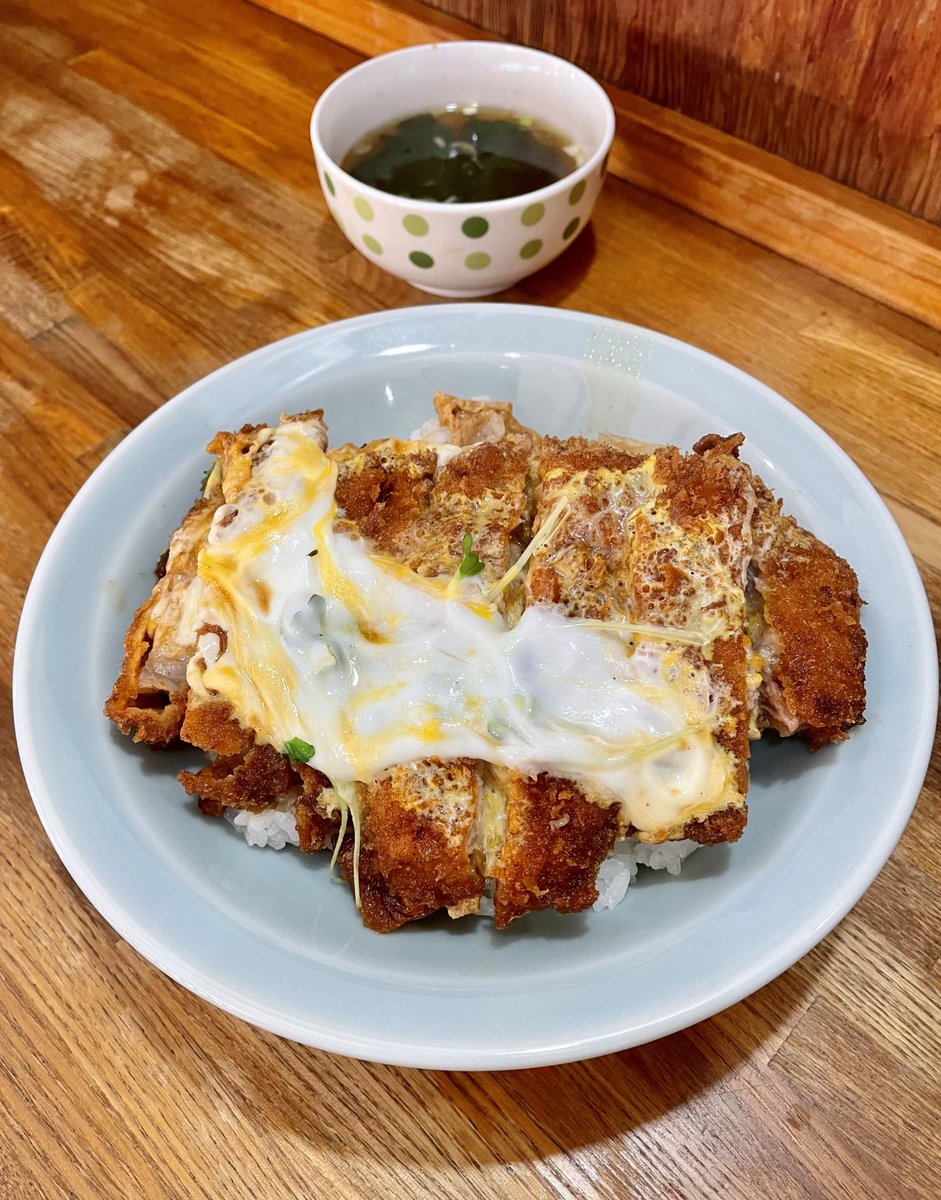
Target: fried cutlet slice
663,540
246,775
466,422
690,564
811,640
543,862
416,507
805,645
260,778
556,836
555,839
415,829
255,780
149,696
243,774
652,539
417,821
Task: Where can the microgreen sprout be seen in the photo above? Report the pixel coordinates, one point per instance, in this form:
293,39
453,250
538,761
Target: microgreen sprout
297,750
470,563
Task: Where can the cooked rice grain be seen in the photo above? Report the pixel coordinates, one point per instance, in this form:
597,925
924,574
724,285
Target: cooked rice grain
617,871
274,828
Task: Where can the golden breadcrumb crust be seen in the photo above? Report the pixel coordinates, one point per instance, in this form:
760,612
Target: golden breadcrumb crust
556,839
811,610
414,860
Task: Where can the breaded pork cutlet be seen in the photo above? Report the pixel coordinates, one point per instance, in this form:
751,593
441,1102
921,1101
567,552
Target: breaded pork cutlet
686,557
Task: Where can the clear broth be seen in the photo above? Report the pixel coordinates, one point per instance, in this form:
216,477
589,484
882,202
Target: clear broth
462,155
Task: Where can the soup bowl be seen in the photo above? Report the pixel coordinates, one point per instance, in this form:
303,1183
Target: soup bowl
462,249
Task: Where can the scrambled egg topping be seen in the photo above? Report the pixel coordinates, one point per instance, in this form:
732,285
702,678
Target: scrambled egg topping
332,646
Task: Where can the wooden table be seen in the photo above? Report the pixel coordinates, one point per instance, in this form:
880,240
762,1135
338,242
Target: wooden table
159,215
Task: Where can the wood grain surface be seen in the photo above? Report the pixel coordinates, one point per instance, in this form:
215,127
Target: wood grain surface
852,90
159,215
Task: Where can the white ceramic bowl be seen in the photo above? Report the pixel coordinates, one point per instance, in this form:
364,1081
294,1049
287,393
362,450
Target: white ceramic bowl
462,250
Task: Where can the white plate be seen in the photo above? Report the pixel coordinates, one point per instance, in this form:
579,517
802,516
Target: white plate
265,935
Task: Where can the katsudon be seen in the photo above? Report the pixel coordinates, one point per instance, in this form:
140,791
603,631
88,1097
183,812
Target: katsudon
472,664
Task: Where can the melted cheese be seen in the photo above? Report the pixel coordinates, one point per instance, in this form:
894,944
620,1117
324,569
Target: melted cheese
375,666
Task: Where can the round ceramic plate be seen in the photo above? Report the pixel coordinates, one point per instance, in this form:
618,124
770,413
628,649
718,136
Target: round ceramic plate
266,935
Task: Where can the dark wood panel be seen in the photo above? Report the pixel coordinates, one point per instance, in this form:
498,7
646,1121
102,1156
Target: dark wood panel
850,88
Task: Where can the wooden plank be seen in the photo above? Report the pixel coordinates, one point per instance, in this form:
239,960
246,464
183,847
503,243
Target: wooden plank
830,228
374,26
833,229
49,413
842,1049
852,92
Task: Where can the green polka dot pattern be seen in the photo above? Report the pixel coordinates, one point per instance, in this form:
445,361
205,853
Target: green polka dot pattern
475,227
423,246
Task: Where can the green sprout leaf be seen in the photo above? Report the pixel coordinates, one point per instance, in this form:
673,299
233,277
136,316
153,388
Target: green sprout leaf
297,750
470,563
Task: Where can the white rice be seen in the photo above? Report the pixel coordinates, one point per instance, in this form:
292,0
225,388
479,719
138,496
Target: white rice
276,828
617,871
